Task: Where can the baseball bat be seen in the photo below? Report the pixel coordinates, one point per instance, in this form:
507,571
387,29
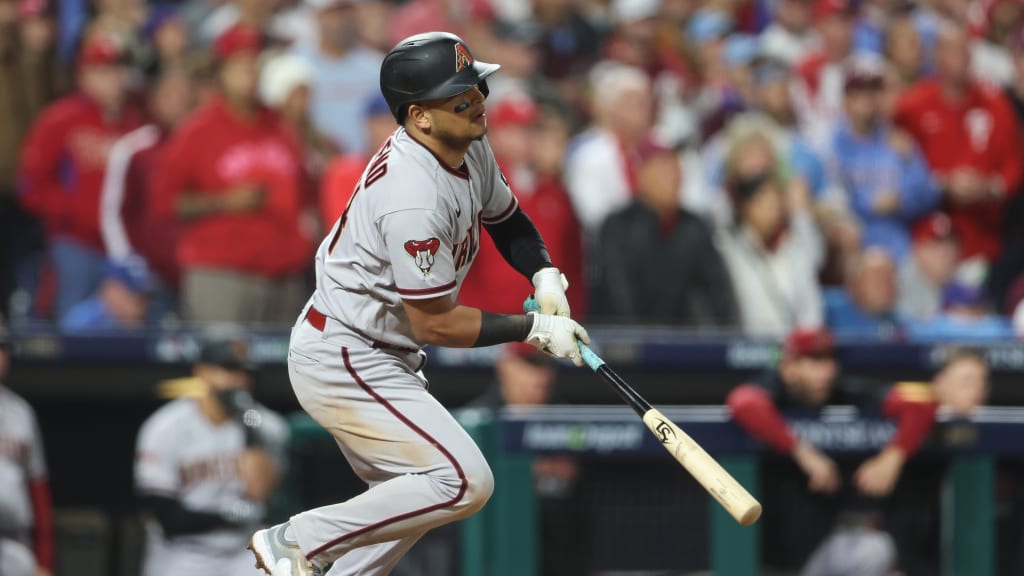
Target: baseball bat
705,469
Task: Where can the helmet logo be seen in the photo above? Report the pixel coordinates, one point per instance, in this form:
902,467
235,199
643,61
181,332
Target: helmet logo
462,58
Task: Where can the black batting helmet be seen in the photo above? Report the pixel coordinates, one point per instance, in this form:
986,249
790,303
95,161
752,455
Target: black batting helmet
430,66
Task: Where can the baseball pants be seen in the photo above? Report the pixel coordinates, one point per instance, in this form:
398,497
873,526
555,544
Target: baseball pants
422,468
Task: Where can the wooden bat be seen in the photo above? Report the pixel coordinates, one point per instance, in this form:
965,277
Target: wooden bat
705,469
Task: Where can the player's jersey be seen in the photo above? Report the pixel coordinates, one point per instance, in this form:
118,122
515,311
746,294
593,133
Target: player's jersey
21,461
410,231
180,454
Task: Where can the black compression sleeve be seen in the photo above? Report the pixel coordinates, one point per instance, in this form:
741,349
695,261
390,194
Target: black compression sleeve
502,328
175,520
520,243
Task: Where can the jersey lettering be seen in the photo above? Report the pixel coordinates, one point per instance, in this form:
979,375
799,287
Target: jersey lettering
464,251
378,168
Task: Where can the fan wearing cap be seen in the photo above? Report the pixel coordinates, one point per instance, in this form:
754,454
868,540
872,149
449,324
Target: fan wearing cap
388,276
818,88
658,262
233,177
26,515
120,303
970,138
931,265
883,173
63,163
807,380
529,146
205,465
344,73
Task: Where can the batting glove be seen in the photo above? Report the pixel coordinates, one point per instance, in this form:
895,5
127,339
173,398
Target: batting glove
557,336
549,290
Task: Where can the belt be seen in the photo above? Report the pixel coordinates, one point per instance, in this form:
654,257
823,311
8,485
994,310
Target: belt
318,320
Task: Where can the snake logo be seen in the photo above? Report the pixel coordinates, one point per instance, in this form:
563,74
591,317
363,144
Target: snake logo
664,431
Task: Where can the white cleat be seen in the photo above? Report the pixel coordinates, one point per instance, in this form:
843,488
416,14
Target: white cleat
278,554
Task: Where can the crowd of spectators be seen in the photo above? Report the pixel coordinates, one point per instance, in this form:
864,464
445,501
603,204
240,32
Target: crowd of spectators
721,165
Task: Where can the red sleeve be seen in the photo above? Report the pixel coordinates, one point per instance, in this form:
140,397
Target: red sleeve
39,492
752,408
1011,165
914,410
41,191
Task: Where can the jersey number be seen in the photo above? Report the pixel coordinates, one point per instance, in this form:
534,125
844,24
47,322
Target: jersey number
378,168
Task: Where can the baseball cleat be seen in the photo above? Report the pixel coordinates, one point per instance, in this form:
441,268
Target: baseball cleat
278,554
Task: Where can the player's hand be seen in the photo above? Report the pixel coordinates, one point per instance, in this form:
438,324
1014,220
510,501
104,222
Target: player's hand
258,472
245,198
549,290
877,477
822,472
557,336
966,186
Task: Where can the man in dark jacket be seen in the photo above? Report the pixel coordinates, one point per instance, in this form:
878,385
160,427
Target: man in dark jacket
656,262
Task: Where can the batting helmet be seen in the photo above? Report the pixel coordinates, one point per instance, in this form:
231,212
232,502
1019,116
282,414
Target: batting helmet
430,66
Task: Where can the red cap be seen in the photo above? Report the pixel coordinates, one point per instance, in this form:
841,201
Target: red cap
101,50
32,8
238,39
936,226
828,8
809,342
517,111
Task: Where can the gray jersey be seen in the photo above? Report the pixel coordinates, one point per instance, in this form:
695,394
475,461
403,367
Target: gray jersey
21,462
182,455
410,231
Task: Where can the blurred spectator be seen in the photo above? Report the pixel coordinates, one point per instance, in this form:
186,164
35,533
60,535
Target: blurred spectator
807,381
232,174
771,251
345,74
819,87
991,62
168,35
569,43
790,35
903,49
529,145
128,228
120,303
284,88
708,32
601,165
931,265
966,316
527,378
344,171
462,17
515,47
29,79
967,134
63,164
961,384
883,173
657,263
866,308
26,516
120,21
1015,90
205,466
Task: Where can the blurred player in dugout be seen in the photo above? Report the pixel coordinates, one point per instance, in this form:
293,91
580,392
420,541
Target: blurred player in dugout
836,511
205,466
26,518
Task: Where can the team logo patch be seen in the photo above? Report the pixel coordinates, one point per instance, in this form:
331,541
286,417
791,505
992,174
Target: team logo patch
462,58
422,251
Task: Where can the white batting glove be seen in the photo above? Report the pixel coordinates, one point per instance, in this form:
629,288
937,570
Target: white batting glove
557,336
549,290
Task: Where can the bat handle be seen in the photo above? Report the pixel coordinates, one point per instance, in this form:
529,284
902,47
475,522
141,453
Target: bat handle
589,356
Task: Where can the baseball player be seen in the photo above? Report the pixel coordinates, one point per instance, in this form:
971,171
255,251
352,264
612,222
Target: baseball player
388,274
205,465
26,518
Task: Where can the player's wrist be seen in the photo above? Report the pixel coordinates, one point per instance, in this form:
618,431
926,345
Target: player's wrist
503,328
